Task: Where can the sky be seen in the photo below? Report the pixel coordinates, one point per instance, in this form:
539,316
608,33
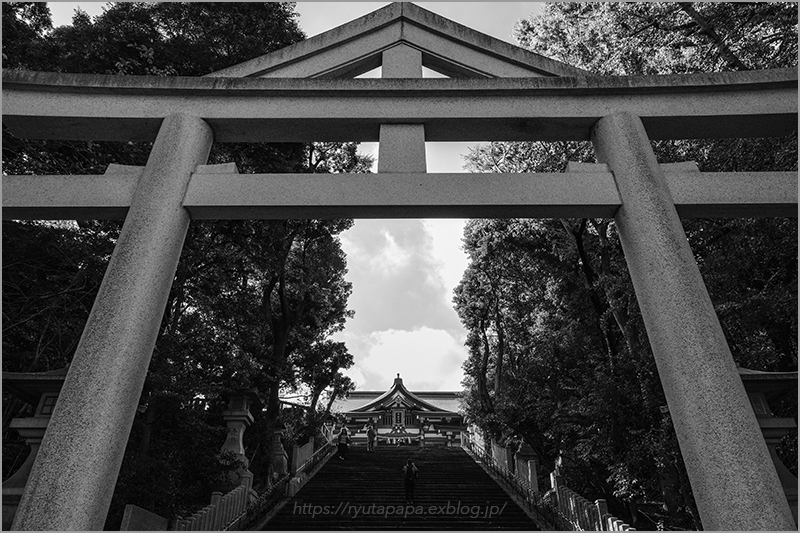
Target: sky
403,271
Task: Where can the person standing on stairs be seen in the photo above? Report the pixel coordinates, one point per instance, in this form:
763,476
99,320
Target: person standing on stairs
344,440
409,479
370,439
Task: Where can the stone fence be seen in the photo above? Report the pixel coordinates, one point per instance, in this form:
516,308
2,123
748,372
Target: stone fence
583,514
304,463
218,515
572,511
300,455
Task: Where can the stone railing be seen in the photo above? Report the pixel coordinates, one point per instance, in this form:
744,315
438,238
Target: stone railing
301,455
558,509
304,466
257,511
304,462
582,514
536,505
220,513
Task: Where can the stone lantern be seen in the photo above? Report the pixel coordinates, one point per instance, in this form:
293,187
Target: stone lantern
41,390
280,459
762,389
238,417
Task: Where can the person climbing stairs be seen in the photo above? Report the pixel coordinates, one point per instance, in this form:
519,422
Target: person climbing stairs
366,491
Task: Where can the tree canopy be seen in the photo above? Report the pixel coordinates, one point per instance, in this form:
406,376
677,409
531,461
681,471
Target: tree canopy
558,352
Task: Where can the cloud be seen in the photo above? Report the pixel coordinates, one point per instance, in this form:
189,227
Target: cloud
396,272
426,359
403,274
391,257
445,235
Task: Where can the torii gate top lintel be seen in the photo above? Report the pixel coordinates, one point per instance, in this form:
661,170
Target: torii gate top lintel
356,47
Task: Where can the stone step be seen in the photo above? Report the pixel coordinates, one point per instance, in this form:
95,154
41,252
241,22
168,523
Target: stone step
365,491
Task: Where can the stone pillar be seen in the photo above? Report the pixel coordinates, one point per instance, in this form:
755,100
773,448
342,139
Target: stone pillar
533,475
401,61
14,486
729,467
522,460
402,146
601,508
32,429
74,475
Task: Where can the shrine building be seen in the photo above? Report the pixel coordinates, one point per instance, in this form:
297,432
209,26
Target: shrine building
425,418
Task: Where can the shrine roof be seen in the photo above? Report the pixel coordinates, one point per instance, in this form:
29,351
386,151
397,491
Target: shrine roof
445,401
355,400
431,401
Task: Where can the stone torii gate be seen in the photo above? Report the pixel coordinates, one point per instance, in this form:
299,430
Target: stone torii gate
498,92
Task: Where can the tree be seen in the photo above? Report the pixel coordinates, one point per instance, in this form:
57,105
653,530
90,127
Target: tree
24,25
664,37
320,366
558,352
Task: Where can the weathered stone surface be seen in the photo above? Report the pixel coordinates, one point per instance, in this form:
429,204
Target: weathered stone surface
402,148
214,194
401,61
73,478
75,197
354,48
94,107
403,195
732,476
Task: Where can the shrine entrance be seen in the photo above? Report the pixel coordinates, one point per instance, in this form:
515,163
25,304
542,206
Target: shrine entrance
501,93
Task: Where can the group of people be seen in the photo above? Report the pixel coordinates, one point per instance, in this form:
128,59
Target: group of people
410,471
343,441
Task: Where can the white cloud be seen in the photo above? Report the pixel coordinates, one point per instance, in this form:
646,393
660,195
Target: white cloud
450,260
354,373
403,274
391,258
396,276
426,359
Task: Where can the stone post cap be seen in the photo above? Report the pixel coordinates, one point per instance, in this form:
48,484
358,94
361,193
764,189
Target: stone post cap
30,427
242,404
29,386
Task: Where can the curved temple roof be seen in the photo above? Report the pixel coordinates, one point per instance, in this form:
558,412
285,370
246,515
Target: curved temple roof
368,401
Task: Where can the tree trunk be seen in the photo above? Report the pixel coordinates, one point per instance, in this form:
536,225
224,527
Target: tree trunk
483,389
707,29
598,304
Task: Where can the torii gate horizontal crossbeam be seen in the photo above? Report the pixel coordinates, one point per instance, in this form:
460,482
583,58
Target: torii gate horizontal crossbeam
214,196
93,107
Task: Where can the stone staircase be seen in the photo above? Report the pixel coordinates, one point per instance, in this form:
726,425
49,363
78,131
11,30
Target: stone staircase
365,491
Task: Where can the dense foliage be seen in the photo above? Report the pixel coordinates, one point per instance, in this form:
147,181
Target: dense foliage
559,355
253,303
